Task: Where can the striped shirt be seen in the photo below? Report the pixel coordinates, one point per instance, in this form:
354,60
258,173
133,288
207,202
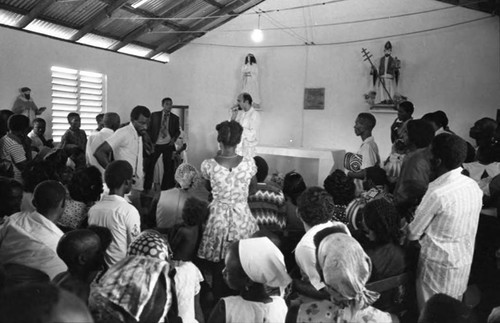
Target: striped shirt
13,152
445,224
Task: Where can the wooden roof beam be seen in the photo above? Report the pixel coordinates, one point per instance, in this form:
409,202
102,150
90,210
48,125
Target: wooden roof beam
150,26
197,27
214,3
101,16
35,12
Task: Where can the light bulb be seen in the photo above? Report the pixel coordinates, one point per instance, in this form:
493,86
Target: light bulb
257,35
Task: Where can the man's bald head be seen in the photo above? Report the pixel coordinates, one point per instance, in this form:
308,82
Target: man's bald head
111,120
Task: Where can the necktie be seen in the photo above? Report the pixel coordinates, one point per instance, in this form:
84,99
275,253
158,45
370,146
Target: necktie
164,125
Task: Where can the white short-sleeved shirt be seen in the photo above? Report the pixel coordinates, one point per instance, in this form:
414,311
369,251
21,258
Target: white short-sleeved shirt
122,219
305,253
369,152
127,145
94,141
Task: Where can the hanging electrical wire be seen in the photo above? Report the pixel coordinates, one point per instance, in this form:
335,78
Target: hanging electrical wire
352,41
319,25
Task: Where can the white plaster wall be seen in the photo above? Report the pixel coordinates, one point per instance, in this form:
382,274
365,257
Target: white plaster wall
26,60
453,69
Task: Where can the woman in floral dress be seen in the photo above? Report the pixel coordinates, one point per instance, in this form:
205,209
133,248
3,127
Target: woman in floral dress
230,218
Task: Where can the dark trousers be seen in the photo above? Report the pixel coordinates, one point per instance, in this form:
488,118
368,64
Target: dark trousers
168,180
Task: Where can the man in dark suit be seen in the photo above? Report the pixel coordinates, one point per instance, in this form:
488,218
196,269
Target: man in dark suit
163,130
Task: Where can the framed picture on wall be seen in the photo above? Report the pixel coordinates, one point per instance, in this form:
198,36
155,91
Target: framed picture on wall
314,99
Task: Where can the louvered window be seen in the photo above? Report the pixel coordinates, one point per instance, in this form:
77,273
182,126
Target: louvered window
76,91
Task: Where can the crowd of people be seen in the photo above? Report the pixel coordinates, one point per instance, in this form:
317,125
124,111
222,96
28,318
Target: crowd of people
84,236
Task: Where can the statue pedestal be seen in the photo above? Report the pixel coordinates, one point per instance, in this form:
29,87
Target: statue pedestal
384,108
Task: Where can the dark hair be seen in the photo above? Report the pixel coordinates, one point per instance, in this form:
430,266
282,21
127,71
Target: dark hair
7,186
253,60
195,211
407,106
377,175
262,168
441,118
99,117
73,244
340,186
451,149
104,234
18,122
73,115
4,116
368,119
315,206
229,133
39,120
381,217
111,120
29,303
420,132
165,100
293,186
86,185
138,111
247,97
117,172
36,172
441,308
48,195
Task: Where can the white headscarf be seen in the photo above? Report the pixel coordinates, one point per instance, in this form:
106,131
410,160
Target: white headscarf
263,262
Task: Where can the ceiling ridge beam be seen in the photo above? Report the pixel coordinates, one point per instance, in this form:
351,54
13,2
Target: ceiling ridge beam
196,28
101,16
150,26
35,12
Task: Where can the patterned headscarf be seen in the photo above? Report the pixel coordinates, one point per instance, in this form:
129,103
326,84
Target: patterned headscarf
129,285
263,262
152,244
346,268
186,175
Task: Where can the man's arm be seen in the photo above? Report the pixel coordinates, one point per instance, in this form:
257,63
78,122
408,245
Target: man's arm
103,154
424,215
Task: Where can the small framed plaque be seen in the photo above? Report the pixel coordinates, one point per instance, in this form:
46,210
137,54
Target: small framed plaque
314,99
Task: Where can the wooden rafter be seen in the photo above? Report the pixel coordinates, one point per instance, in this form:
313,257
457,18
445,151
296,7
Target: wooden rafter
98,18
35,12
197,28
151,25
214,3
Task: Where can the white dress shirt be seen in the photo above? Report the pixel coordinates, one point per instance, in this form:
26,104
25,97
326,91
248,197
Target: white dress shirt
127,145
250,121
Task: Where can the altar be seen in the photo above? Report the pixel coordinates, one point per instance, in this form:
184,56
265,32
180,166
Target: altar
314,164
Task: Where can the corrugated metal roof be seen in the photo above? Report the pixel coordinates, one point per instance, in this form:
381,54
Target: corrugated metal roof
120,24
75,13
21,4
65,18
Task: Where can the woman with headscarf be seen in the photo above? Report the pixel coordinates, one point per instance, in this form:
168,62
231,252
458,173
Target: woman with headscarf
345,269
251,265
186,277
171,202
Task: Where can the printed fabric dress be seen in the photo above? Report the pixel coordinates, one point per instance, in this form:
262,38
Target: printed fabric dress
230,217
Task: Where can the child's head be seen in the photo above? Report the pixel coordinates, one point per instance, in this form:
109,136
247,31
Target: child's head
262,169
81,249
195,211
381,221
375,176
340,186
442,308
39,126
74,120
293,186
